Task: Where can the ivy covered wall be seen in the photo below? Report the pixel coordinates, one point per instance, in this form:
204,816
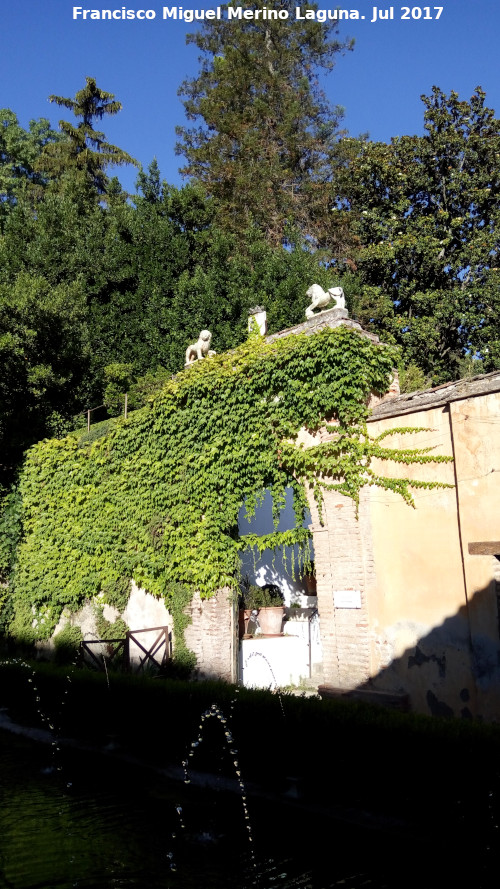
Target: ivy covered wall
156,498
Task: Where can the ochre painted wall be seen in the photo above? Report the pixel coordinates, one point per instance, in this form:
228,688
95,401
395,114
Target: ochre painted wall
429,610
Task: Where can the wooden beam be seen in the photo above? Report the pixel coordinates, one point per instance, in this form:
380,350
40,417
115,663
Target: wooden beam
485,548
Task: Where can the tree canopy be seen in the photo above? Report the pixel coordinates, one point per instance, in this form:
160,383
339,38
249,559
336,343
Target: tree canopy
149,276
43,355
19,150
84,155
263,132
98,291
426,210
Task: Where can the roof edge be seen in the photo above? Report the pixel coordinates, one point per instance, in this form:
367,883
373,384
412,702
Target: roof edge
439,396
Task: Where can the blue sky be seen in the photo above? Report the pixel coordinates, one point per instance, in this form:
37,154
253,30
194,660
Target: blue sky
143,62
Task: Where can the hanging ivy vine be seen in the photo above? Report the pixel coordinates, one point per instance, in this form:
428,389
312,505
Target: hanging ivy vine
157,498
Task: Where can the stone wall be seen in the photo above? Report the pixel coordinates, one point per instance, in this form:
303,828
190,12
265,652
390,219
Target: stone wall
212,635
330,318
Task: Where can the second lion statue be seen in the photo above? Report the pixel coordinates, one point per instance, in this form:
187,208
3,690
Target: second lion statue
320,299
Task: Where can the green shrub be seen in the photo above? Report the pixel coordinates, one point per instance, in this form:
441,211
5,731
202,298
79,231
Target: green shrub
67,643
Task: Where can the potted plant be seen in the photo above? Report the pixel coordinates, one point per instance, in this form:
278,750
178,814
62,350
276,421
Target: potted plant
267,603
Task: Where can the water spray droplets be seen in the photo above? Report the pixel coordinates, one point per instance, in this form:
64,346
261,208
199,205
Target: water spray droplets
173,836
178,809
51,724
215,712
276,686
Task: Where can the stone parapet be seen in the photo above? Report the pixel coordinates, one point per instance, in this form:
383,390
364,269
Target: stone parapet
329,318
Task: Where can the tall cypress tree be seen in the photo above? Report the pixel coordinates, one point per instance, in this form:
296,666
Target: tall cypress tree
264,132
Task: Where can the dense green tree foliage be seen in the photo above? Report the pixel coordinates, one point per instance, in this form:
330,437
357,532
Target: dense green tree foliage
53,264
264,132
19,150
91,281
426,210
44,351
152,275
180,273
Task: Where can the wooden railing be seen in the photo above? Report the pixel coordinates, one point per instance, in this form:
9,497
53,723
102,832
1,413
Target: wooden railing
92,655
100,654
159,648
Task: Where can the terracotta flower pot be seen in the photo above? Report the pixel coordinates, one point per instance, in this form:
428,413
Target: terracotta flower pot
243,618
271,620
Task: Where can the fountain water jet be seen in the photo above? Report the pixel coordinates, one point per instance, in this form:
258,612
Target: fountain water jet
276,686
215,712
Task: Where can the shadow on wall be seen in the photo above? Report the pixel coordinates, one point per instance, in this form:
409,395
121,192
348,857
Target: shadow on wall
274,567
453,670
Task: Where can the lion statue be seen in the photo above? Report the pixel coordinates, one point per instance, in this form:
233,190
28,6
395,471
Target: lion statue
320,299
200,349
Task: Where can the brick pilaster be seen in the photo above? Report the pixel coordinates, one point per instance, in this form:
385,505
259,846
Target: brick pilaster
341,564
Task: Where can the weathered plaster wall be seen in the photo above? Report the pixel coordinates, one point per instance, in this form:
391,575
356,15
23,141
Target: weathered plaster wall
428,620
476,428
418,623
210,635
144,610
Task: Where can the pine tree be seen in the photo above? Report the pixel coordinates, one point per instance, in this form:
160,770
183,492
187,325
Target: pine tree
83,156
265,132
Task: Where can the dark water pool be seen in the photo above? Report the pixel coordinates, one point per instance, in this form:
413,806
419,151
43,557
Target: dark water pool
90,821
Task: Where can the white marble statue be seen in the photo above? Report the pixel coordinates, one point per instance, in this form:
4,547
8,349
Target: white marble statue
200,349
320,299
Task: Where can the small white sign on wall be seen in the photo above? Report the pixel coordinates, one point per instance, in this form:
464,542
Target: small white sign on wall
347,598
